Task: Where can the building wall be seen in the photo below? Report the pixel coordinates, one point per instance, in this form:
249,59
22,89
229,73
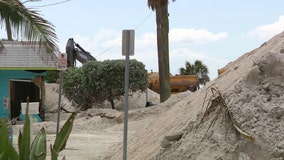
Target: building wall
5,76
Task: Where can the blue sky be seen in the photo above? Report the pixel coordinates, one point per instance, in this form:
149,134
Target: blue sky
215,32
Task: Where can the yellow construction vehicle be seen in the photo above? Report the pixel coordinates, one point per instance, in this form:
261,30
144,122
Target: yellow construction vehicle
179,83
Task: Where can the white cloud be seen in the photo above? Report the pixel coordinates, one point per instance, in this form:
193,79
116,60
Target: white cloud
108,37
198,36
147,39
185,52
179,56
106,44
269,30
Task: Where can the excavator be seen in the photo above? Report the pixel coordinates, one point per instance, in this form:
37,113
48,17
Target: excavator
78,53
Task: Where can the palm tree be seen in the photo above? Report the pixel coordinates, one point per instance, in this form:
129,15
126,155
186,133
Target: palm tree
27,23
198,68
188,70
162,21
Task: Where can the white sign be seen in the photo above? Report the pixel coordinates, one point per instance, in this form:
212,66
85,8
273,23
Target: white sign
62,61
33,108
128,42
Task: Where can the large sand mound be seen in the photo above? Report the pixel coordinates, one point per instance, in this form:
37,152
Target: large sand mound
181,128
252,87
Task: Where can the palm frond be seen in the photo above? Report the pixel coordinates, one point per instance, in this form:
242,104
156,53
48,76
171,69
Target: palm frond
29,24
218,106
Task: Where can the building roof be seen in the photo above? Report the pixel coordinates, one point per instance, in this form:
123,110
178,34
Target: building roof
16,55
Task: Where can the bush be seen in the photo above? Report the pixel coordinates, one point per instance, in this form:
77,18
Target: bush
100,81
52,76
72,85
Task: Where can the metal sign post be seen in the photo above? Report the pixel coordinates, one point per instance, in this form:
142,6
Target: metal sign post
127,49
59,103
62,65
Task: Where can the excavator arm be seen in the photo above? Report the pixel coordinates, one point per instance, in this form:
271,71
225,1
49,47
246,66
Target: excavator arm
78,53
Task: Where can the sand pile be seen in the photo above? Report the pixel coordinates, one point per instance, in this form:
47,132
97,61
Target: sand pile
256,104
183,127
136,100
253,91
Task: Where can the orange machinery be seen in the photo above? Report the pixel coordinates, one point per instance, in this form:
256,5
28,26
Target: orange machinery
179,83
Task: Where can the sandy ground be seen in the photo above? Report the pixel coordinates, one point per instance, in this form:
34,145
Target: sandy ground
92,136
181,128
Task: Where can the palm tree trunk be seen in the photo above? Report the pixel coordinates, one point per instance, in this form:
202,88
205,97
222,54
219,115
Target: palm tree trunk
8,29
163,51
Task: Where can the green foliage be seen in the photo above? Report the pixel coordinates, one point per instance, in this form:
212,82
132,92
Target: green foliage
72,85
52,76
92,82
138,77
25,139
28,24
7,151
198,68
113,80
99,81
37,150
62,137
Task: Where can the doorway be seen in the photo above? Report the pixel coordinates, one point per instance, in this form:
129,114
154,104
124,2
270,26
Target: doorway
19,91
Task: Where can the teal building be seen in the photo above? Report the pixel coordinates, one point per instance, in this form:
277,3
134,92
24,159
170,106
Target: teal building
22,69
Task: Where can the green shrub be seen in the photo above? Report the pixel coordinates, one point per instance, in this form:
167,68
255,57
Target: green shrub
52,76
72,85
97,81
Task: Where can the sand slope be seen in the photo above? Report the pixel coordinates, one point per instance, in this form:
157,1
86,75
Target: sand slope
253,89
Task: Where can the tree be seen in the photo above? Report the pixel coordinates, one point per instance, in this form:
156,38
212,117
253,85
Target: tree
96,82
51,76
72,86
162,21
27,23
113,78
197,68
